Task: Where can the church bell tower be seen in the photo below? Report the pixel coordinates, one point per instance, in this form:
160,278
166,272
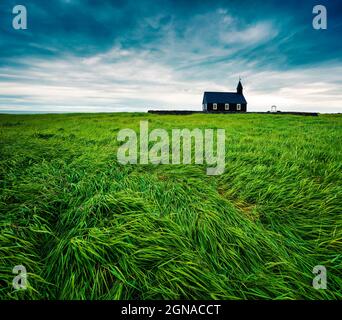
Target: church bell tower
239,88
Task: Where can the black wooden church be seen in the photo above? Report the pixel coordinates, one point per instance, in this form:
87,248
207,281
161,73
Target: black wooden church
225,101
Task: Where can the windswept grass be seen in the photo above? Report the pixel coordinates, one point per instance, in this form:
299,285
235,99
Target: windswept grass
86,227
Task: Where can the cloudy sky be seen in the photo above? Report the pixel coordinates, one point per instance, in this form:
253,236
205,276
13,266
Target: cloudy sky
109,55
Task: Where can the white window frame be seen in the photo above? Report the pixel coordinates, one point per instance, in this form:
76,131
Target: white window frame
226,106
238,107
214,106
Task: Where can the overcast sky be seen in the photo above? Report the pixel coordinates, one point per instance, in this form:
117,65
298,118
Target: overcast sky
90,55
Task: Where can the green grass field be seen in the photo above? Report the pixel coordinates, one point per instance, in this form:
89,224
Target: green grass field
86,227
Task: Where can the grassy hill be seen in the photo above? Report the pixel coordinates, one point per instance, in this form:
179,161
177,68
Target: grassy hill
85,226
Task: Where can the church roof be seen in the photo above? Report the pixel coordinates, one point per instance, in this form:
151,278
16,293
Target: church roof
223,97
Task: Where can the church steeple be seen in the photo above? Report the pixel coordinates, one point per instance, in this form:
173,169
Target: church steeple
239,88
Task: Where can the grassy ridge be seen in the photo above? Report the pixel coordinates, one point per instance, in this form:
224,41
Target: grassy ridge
86,227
